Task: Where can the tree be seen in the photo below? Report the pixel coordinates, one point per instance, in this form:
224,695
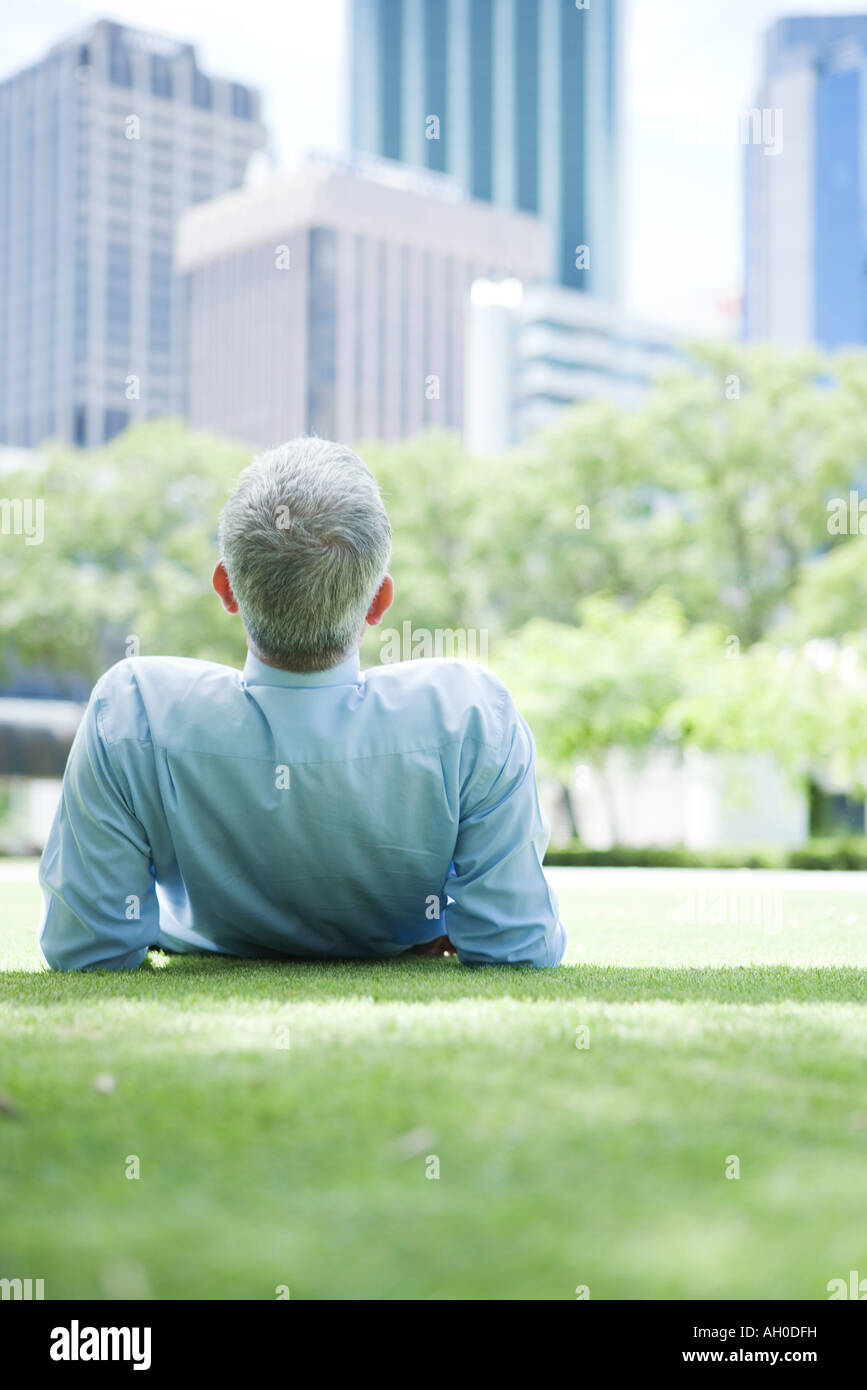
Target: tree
128,550
830,599
715,488
802,704
610,682
437,505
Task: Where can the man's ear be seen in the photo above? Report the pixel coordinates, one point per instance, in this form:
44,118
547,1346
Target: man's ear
221,583
382,601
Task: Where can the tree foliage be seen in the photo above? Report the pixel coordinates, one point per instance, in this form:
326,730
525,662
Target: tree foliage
616,562
128,552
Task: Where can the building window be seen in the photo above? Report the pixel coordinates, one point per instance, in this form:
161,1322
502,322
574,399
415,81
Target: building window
449,374
203,95
527,104
391,74
119,63
404,339
161,77
160,302
79,426
114,422
382,336
117,293
359,334
427,327
242,105
322,332
81,288
436,81
572,127
481,99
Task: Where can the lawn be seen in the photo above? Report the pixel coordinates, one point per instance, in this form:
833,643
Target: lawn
288,1120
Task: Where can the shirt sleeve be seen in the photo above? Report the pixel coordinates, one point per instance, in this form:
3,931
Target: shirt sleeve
503,909
99,892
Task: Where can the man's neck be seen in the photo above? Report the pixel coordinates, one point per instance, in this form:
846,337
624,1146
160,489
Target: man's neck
300,670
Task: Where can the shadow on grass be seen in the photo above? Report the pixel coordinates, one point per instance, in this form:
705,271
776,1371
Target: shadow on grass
184,981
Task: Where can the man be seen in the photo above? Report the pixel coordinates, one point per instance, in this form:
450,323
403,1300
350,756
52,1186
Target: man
299,807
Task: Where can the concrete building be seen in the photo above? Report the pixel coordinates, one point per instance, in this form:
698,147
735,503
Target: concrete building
104,142
333,300
533,352
806,188
517,99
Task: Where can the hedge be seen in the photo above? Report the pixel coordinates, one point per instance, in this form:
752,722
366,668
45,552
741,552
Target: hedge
839,853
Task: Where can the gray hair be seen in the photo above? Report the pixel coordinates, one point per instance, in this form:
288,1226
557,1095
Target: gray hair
306,543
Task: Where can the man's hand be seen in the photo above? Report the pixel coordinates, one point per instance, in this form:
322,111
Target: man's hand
440,946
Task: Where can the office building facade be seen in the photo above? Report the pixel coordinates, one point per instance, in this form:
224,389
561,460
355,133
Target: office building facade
532,353
333,299
806,191
516,99
103,143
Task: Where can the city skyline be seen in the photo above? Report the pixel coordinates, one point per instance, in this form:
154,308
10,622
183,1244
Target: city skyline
689,69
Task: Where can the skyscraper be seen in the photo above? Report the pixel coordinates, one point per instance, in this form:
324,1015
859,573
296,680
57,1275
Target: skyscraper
517,99
103,143
805,262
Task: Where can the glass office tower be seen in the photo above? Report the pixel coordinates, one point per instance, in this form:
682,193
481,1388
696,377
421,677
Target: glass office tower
516,99
805,234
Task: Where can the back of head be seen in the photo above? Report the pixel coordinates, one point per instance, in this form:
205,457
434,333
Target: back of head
306,542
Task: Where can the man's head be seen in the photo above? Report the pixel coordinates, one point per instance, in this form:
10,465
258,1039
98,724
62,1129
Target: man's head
305,542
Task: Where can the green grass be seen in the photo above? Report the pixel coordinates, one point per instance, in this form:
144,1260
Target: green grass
264,1164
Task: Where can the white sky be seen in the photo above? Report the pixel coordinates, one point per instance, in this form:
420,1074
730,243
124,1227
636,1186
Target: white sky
689,66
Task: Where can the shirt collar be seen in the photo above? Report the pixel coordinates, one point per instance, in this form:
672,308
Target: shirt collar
258,672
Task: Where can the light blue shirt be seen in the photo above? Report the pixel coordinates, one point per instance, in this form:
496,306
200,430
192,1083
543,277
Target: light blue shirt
267,813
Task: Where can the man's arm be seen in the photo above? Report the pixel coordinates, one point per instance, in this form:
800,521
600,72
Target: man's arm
101,907
503,910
